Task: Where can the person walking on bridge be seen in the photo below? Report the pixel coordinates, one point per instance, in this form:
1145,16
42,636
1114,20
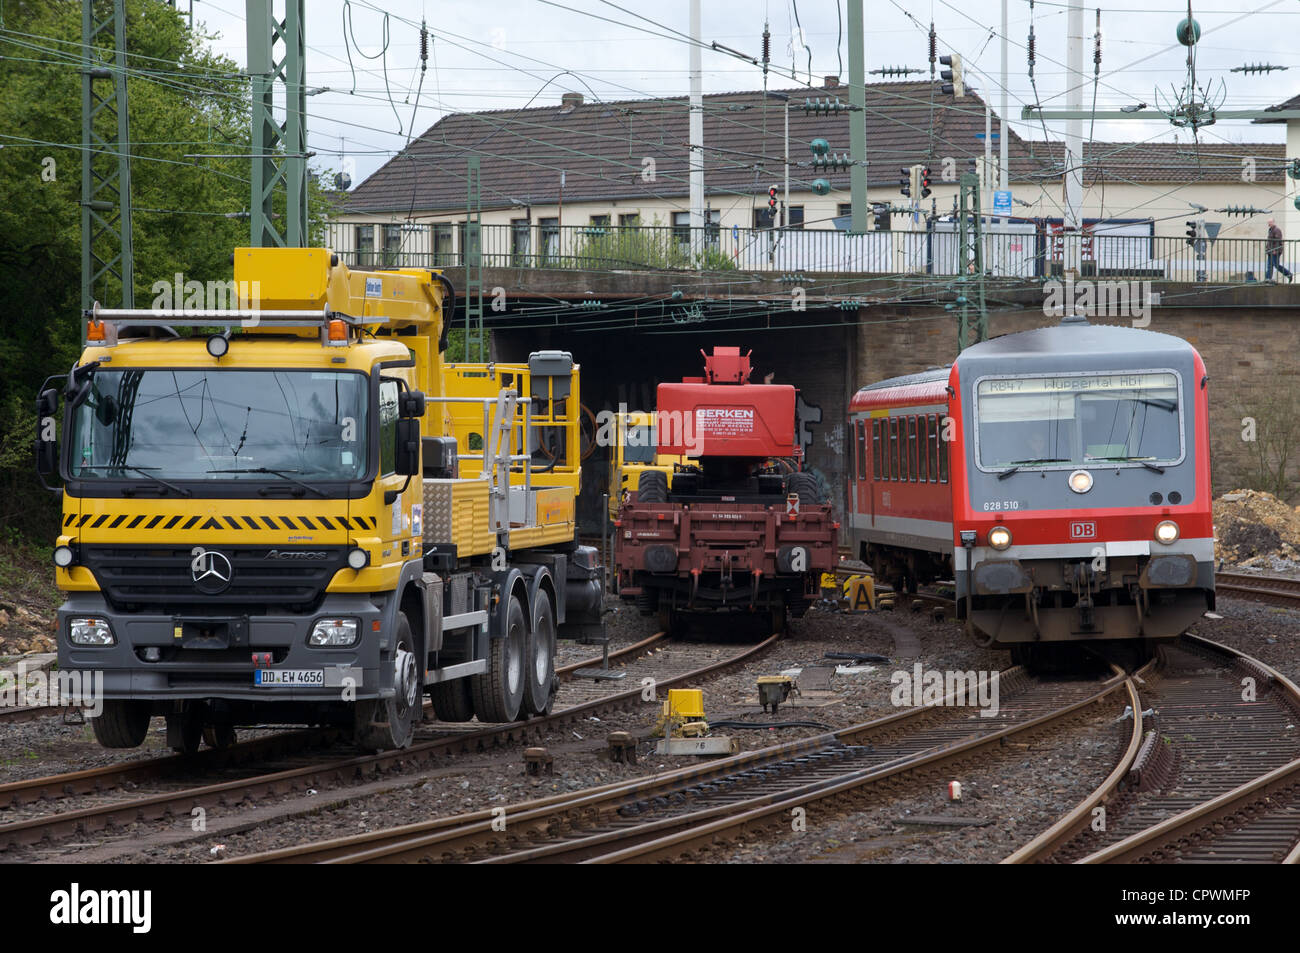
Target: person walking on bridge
1273,253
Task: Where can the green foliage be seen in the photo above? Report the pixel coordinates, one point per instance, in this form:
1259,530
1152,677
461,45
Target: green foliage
179,104
630,248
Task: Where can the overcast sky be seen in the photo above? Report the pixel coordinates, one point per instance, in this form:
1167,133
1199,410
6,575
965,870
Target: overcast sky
495,54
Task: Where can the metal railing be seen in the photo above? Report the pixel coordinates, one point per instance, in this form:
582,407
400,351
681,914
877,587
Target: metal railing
1023,250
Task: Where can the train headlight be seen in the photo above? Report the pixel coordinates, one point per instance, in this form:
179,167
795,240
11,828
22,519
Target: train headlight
90,632
334,633
1166,532
999,537
1080,481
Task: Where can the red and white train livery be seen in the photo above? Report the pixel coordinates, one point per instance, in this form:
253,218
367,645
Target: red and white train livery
1061,476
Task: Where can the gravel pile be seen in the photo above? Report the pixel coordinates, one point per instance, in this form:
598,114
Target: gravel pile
1256,530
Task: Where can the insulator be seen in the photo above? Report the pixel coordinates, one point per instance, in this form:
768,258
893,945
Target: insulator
424,44
934,44
1030,48
767,45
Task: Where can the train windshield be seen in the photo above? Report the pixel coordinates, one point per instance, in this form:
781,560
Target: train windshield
1079,420
222,425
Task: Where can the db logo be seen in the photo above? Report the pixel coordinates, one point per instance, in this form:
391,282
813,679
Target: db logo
1083,530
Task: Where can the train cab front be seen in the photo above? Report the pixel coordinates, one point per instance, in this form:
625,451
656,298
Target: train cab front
1087,510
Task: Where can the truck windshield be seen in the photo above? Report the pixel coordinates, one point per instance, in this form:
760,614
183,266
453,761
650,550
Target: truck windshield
160,424
640,446
1079,420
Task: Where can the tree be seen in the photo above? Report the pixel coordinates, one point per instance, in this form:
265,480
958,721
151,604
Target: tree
183,100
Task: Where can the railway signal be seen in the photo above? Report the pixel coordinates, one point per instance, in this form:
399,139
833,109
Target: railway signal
925,181
952,81
905,183
771,200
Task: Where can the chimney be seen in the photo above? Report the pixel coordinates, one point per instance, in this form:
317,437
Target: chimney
831,82
570,101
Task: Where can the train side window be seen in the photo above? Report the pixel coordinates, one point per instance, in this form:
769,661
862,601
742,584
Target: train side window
911,448
934,448
862,449
943,461
875,448
902,449
893,448
922,448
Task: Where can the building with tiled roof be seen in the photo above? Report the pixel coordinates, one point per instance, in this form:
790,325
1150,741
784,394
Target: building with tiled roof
599,165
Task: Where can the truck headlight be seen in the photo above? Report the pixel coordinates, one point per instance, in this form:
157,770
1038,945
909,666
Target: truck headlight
90,632
336,633
64,556
999,537
358,558
1166,532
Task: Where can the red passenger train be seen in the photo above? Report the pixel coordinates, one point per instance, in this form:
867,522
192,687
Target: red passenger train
1061,476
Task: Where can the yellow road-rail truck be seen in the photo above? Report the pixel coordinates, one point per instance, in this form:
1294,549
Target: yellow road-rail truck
295,512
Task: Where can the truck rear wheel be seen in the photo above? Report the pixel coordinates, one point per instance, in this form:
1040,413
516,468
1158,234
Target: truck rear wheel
382,724
541,657
499,692
122,724
652,487
806,487
451,700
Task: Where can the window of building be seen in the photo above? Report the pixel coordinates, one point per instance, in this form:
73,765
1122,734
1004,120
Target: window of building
444,251
549,232
795,216
365,245
392,245
844,208
600,221
875,448
630,220
520,236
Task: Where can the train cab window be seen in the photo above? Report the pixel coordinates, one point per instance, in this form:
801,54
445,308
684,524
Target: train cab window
1073,421
893,448
933,443
875,449
862,449
922,440
911,448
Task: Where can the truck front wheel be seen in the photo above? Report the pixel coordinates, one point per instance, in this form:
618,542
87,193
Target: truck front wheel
385,723
122,724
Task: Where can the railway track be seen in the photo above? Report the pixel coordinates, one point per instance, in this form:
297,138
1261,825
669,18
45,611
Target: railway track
318,775
697,807
1214,779
1274,590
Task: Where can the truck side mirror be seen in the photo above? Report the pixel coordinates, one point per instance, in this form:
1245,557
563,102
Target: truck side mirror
409,460
47,445
410,404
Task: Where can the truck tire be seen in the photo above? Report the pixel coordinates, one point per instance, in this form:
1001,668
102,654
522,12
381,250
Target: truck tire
806,487
652,487
122,724
499,692
541,657
451,700
384,724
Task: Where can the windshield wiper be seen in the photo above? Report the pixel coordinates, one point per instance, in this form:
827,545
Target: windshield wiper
1017,464
128,491
284,474
1146,463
